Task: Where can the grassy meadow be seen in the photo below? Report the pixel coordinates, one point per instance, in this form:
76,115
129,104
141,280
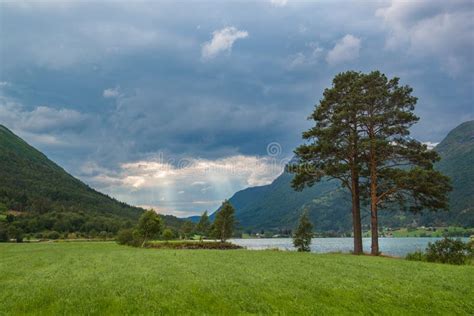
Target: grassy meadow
104,278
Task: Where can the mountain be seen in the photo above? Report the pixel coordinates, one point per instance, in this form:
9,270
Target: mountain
40,196
278,207
457,162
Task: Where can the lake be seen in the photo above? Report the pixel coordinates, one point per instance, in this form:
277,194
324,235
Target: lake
389,246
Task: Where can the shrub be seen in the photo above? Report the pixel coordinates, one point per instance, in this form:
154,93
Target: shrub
416,256
16,233
168,234
125,237
448,251
3,234
470,249
53,235
103,235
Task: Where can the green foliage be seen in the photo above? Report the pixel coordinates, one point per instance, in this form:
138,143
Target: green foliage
303,234
149,226
186,229
332,146
168,234
224,223
16,233
398,168
448,251
107,279
204,225
53,235
3,233
416,256
125,237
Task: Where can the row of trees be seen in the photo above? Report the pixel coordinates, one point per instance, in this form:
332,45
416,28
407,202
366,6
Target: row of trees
361,137
150,226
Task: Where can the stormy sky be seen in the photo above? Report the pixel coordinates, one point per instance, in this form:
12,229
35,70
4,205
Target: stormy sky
177,105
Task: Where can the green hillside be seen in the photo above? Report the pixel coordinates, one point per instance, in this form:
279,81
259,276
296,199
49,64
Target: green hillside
277,206
44,197
457,161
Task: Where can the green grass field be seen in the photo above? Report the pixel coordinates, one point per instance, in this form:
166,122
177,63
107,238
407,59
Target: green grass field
105,278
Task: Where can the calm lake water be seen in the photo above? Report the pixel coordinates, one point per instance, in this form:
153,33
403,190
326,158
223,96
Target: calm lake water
389,246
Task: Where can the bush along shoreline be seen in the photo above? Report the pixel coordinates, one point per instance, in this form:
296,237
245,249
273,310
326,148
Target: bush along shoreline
447,250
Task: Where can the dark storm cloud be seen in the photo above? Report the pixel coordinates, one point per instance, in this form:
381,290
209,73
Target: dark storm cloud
100,85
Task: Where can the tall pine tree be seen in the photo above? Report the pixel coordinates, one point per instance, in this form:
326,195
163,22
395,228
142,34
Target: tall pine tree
333,150
398,168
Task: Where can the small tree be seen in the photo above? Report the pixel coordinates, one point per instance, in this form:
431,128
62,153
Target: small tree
204,224
149,225
168,234
224,223
303,234
16,233
125,237
187,228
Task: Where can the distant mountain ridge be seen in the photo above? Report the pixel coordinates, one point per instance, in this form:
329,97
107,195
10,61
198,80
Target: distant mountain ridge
277,206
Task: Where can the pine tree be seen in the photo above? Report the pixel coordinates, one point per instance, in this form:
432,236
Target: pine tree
223,226
333,151
303,234
187,228
398,168
204,224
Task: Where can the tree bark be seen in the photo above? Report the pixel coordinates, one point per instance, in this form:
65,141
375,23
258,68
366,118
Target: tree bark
356,222
373,202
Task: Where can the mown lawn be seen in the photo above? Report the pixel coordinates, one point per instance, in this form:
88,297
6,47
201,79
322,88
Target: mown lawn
105,278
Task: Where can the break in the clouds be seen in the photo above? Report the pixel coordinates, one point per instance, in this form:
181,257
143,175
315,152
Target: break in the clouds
135,97
222,41
111,93
346,49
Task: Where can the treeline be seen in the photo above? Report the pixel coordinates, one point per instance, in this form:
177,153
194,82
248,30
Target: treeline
151,226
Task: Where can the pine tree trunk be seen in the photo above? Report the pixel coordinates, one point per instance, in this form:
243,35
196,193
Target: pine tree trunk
373,203
356,222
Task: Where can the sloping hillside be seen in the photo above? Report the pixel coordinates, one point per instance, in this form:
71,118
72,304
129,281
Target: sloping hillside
45,197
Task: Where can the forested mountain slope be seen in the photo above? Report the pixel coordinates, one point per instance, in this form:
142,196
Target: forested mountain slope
40,196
